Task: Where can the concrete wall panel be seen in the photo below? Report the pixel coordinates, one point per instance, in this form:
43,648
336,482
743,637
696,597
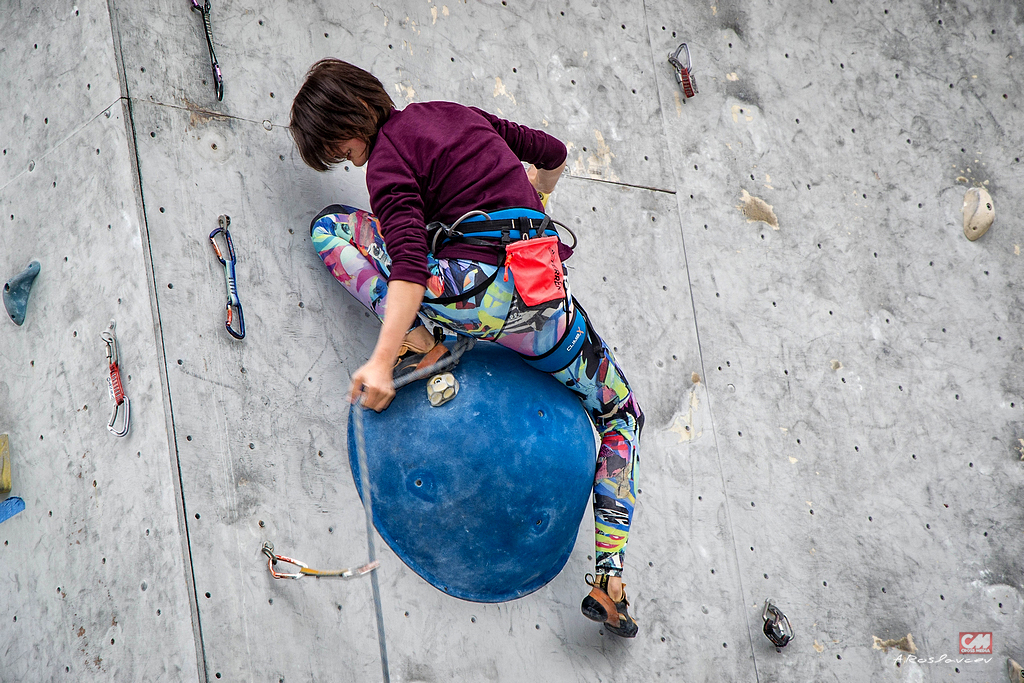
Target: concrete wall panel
581,71
859,357
56,71
94,565
834,406
259,423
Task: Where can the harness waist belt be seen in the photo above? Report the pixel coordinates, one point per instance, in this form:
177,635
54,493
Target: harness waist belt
505,226
498,229
567,349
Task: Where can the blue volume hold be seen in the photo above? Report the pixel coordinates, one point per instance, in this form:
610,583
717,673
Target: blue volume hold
16,292
10,507
484,495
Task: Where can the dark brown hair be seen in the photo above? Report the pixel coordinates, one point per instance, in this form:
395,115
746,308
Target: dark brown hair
337,102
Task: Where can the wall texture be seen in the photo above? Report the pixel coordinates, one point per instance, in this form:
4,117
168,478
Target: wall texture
834,401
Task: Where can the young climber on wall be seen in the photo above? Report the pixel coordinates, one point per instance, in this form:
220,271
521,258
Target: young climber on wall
430,164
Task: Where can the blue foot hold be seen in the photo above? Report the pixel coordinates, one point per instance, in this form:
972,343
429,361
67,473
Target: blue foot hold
16,292
10,507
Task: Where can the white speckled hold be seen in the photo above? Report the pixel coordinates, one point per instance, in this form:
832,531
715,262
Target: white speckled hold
979,212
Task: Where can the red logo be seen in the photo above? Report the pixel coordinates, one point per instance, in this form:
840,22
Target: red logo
975,643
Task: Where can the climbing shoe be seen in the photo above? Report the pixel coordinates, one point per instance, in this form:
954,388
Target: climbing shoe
599,606
415,355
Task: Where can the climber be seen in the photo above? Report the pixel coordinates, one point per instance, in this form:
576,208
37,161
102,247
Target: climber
428,166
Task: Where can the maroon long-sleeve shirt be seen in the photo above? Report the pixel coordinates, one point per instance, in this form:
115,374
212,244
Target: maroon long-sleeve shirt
434,161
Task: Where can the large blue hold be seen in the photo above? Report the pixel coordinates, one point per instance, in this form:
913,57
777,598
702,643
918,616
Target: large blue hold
483,496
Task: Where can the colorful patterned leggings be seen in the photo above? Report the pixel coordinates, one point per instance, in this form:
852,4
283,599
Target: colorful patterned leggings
349,242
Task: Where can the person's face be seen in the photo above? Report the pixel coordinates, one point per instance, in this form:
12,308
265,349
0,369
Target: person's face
352,151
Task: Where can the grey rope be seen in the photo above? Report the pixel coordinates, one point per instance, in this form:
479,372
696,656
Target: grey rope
370,545
464,344
461,346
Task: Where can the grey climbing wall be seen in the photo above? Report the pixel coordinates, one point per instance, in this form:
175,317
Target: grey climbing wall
95,569
864,358
833,396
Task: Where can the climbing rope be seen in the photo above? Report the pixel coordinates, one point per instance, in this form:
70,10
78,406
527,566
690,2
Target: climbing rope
464,344
460,347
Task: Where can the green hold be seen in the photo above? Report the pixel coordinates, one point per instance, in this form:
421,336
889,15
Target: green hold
16,292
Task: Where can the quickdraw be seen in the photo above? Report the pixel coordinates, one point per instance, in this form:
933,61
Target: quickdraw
776,625
234,305
304,570
684,72
218,79
114,385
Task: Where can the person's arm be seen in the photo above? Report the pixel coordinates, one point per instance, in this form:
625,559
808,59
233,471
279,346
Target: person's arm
544,180
374,379
395,199
530,145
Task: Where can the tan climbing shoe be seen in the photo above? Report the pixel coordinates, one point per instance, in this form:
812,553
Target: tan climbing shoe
1015,671
599,606
979,212
419,350
417,340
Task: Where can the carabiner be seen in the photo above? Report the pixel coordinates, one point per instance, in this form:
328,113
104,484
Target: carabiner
233,305
684,72
304,570
218,79
272,559
114,385
776,625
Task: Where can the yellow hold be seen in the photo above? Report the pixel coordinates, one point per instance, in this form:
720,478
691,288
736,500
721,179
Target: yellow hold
5,465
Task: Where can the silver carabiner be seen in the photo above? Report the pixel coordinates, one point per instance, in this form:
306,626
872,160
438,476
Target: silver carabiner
684,72
114,385
123,431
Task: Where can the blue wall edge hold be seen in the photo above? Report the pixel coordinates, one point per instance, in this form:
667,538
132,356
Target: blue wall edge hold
16,292
10,507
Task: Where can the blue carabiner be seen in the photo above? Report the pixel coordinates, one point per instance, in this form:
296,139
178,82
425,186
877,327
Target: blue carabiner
233,304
